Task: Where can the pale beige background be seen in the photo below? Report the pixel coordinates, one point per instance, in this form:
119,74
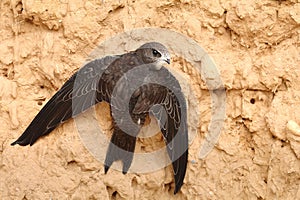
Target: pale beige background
255,45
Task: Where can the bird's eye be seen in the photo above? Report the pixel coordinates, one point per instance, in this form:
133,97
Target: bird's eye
156,53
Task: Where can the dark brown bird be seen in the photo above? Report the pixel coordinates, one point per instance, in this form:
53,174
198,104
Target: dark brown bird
134,84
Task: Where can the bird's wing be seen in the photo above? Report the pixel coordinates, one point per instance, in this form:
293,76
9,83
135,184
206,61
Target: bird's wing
79,93
169,107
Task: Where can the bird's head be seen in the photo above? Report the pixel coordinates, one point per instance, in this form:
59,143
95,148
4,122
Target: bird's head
155,53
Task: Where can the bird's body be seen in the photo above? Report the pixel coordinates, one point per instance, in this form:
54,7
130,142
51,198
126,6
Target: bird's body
108,79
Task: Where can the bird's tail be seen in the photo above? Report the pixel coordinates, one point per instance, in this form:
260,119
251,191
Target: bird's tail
121,147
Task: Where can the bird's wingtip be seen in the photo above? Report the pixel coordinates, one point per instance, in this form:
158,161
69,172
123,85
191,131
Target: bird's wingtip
21,143
106,168
14,143
177,188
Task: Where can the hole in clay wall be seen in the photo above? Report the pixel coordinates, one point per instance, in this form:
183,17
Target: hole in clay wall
114,195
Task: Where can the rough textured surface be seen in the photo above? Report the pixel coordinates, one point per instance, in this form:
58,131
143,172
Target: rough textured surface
255,44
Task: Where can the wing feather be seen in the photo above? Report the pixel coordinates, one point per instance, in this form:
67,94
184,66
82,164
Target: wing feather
78,94
169,107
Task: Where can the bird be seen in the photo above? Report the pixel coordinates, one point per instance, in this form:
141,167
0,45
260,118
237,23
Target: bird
108,80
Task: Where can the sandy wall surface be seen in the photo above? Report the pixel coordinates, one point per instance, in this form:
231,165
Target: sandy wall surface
256,46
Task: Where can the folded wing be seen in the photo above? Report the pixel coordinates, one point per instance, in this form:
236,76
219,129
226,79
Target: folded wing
167,103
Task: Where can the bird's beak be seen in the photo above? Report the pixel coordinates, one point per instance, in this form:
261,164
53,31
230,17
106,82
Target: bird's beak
168,61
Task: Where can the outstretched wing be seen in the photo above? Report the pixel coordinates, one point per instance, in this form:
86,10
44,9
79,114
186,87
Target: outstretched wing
79,93
167,103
